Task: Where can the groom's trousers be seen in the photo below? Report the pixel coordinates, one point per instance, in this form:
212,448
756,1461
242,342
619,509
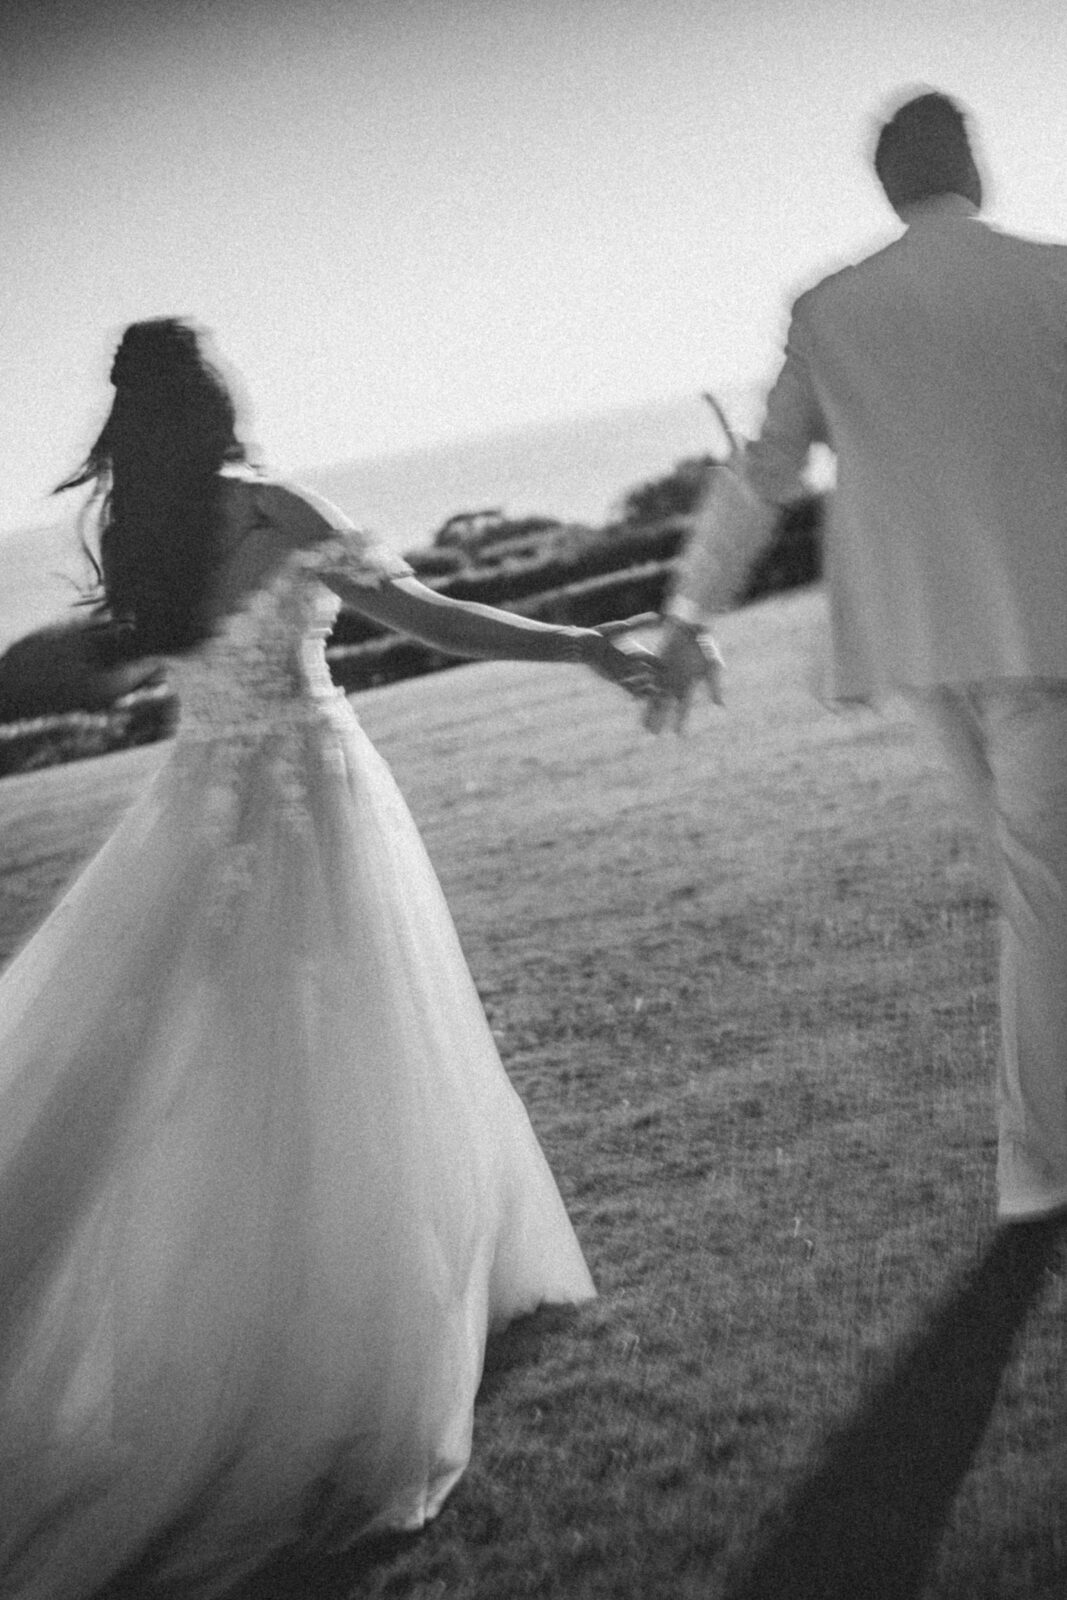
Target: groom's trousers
1006,744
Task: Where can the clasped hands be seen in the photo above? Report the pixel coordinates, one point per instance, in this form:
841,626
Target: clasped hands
667,678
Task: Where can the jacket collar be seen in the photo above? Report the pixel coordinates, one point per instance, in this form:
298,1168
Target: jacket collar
939,209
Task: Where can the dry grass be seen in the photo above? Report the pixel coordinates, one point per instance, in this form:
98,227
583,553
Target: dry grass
744,982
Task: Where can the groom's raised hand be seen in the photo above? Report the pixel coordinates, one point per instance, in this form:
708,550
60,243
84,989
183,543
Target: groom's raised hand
688,657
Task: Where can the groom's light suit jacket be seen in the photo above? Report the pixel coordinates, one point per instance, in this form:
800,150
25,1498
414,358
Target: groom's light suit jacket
936,370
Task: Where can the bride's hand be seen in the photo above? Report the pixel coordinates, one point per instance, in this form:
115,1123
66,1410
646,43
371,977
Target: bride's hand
613,655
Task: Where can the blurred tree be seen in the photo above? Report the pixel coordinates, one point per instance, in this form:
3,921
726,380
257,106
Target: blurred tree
676,494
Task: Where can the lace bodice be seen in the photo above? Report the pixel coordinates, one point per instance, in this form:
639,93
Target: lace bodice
266,665
256,700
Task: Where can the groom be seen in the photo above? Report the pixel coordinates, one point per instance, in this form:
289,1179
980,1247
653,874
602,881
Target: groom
936,370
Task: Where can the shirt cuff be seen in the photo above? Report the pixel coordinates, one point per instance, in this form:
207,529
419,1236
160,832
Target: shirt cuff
681,609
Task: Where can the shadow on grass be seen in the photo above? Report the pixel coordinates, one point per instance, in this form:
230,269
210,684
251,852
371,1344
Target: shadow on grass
519,1344
868,1519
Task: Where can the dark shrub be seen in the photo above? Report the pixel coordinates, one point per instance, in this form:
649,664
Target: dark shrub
384,660
68,666
435,562
794,557
139,718
616,547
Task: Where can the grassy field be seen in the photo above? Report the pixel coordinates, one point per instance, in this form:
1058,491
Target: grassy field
744,981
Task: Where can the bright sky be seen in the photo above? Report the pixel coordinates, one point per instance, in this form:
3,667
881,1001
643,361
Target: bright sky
411,220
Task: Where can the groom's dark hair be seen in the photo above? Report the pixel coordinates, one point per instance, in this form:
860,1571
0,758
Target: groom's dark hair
923,150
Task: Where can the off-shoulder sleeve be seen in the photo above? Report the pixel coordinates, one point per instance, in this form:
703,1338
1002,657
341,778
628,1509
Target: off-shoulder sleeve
327,542
356,557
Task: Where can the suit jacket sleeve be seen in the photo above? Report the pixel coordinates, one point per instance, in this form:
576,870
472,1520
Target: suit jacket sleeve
739,512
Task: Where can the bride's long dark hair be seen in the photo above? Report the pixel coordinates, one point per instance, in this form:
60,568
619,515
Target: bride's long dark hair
154,471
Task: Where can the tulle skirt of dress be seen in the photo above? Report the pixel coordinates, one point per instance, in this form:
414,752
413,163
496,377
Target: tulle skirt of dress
264,1184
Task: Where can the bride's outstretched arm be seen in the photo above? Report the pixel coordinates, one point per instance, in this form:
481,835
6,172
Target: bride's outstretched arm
377,582
465,628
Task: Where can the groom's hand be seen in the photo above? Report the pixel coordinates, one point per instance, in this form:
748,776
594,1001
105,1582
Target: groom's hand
688,657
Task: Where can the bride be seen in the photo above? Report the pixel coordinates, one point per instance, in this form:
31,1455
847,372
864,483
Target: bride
264,1184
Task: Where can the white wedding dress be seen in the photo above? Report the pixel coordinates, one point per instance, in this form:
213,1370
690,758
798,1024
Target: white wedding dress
264,1184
